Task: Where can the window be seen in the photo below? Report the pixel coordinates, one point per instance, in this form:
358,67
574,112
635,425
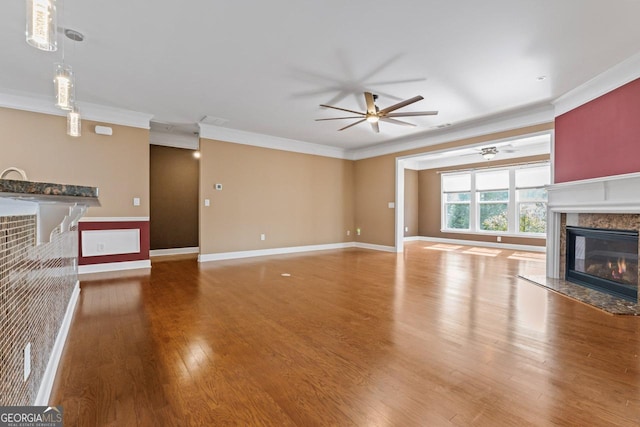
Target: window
456,196
502,200
531,198
492,189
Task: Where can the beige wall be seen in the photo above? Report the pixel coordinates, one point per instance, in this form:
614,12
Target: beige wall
118,165
295,199
431,213
375,188
411,202
375,185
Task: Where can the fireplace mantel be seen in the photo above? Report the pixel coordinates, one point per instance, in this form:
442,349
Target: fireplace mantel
619,194
612,194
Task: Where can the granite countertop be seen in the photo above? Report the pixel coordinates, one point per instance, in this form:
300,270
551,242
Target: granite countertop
46,191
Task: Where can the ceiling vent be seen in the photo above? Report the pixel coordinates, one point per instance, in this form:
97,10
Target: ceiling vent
214,121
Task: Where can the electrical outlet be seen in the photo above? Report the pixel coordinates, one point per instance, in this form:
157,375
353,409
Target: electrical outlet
263,237
499,238
207,202
136,201
348,232
358,231
406,229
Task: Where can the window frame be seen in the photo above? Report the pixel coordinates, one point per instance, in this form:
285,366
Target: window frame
513,203
446,203
519,202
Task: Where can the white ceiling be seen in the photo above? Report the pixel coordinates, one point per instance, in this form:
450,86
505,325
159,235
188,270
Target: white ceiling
513,148
265,66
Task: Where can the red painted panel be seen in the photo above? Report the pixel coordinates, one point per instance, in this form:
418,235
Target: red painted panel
143,226
600,138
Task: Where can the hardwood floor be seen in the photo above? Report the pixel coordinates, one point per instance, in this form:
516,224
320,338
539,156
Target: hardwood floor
433,337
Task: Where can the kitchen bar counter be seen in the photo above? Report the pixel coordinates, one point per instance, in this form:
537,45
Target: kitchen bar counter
48,192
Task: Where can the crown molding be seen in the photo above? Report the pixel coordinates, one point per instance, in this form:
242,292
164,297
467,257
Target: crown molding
176,140
616,76
116,116
267,141
89,111
536,115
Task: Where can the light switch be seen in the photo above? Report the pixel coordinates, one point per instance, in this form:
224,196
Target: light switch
207,202
136,201
392,205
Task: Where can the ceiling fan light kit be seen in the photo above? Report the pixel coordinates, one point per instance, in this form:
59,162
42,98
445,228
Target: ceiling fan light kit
373,115
489,152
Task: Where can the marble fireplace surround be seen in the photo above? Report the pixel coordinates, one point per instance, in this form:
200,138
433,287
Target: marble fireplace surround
611,202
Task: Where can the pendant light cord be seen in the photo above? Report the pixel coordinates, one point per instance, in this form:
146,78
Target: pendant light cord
64,21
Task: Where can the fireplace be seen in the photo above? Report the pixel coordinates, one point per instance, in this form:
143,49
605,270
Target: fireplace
603,259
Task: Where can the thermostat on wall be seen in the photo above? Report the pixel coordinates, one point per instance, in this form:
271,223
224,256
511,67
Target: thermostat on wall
218,186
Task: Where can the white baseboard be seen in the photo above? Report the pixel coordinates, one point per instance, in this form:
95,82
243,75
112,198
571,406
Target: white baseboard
274,251
529,248
174,251
46,385
375,247
113,266
290,250
412,238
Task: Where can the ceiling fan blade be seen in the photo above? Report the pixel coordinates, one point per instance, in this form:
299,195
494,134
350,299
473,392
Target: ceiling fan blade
339,118
342,109
397,122
375,127
353,124
401,104
412,114
371,106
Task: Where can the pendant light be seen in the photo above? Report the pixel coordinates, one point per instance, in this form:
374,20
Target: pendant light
64,86
74,123
41,24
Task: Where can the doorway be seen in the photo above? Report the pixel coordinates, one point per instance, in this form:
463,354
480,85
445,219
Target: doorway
174,182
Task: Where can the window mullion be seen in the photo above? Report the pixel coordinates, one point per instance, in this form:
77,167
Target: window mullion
512,214
473,204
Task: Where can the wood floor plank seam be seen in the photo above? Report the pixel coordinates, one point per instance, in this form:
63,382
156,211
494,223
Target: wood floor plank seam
349,337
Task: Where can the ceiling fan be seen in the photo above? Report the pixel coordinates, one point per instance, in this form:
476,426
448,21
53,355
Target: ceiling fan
489,152
374,114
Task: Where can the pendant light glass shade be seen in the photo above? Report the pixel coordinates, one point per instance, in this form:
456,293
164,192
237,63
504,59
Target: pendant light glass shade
41,24
64,87
74,123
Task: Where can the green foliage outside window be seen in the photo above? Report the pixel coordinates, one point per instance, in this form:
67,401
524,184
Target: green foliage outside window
497,222
458,216
533,217
494,216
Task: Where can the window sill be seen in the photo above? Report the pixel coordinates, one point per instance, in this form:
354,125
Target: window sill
497,233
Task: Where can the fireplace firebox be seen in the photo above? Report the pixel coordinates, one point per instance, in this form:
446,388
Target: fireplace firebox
605,260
